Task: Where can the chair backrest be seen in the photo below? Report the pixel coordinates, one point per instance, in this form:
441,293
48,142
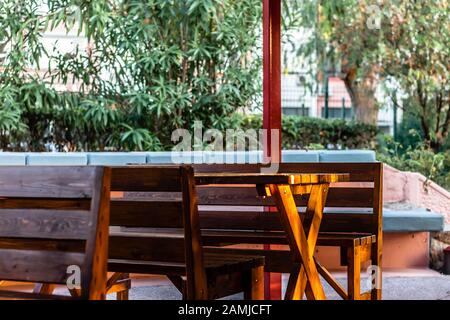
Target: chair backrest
54,225
363,192
162,200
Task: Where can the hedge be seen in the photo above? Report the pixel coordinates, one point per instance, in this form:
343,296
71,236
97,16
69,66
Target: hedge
304,132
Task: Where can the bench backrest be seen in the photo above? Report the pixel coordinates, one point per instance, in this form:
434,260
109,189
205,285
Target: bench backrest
162,201
362,192
54,220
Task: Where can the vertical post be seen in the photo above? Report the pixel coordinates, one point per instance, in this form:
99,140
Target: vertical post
343,108
395,122
272,76
303,110
272,106
327,96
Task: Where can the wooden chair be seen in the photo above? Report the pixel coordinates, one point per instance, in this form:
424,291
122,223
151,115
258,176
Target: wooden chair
54,223
228,216
157,232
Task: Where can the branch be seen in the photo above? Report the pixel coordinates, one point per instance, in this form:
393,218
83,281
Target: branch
422,103
439,105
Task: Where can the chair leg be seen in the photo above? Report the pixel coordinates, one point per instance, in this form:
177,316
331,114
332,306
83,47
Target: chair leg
44,288
254,284
120,284
354,273
122,295
376,293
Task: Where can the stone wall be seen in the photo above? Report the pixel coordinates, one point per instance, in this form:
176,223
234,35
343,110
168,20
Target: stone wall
413,188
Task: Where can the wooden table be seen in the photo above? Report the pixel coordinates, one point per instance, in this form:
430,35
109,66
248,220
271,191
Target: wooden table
302,234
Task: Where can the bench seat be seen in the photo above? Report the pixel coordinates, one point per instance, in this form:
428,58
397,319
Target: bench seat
216,263
214,237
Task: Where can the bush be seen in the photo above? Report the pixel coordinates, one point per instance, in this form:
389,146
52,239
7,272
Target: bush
307,133
419,158
151,67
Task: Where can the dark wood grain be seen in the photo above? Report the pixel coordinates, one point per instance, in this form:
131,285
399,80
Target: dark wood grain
265,179
37,266
161,234
52,218
359,172
140,178
248,196
46,182
44,224
247,225
139,213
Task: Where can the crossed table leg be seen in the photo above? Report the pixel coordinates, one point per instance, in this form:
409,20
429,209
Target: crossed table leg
305,277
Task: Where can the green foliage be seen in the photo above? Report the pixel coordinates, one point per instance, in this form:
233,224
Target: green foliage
152,66
314,133
416,57
419,158
402,43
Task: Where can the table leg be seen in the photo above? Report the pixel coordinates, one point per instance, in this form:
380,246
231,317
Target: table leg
298,242
313,217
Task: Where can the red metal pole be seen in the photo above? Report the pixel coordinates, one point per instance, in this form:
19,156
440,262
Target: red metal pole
272,75
272,107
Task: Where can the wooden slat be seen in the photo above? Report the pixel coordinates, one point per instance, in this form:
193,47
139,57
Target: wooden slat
264,179
95,275
45,203
44,224
359,172
146,214
147,247
331,281
350,198
275,260
229,237
240,220
146,178
46,182
248,196
196,286
16,295
347,222
147,267
269,221
43,244
37,266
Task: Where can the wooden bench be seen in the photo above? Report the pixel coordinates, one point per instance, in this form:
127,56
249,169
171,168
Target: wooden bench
156,231
54,220
234,215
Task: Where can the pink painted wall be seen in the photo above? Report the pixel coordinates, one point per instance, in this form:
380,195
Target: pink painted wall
400,251
413,188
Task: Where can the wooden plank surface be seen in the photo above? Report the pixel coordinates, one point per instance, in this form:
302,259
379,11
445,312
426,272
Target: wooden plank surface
44,224
146,214
37,266
141,178
47,182
248,196
359,172
264,179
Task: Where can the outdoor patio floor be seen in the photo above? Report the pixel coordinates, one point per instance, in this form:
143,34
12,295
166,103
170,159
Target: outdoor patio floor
411,284
408,284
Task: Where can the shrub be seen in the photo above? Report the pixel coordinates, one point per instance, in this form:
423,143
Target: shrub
420,158
304,132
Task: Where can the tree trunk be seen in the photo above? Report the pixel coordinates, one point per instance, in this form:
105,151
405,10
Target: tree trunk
365,106
362,94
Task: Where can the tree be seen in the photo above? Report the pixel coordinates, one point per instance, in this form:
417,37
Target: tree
344,42
416,57
371,41
151,66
